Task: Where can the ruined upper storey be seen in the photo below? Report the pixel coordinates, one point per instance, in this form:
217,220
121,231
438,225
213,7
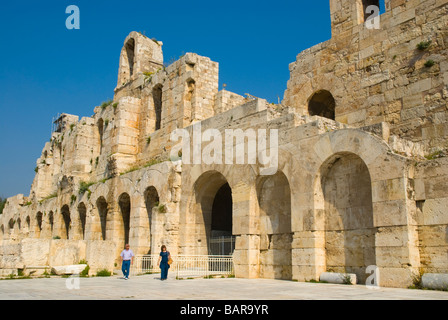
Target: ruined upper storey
396,74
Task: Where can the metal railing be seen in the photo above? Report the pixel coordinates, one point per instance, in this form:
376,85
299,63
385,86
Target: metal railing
186,266
224,245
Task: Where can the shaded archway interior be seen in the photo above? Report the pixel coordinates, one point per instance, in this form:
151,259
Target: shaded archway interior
322,104
214,195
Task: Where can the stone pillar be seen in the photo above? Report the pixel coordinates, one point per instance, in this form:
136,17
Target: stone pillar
308,255
396,240
138,234
246,226
246,256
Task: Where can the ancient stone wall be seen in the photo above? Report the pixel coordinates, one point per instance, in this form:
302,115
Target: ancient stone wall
360,180
381,75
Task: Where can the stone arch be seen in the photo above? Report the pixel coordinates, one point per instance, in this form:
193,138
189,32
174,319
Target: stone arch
213,208
344,190
11,224
102,209
19,224
38,229
28,223
124,202
51,222
100,126
82,215
274,201
152,200
157,95
322,104
66,220
130,55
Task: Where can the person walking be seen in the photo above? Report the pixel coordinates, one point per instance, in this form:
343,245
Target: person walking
164,257
127,259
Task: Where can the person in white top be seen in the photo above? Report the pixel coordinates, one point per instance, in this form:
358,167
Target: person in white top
127,259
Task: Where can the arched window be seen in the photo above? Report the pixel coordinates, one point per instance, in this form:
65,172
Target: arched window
51,221
65,211
101,205
322,104
101,131
82,210
39,216
28,222
130,53
157,97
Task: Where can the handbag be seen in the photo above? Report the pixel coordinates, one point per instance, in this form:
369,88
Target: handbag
170,260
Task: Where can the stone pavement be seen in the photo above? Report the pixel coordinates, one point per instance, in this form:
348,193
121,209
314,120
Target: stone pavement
149,287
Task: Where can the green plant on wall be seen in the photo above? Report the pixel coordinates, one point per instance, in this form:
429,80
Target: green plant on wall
423,45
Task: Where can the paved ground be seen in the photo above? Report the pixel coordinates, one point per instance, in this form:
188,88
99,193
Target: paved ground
149,287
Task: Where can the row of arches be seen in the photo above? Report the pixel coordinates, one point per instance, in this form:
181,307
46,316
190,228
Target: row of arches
77,223
344,201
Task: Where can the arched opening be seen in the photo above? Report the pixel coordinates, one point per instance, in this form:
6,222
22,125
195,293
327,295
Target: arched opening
2,228
19,223
130,53
28,223
274,199
322,104
51,221
101,205
65,212
157,98
11,224
124,201
82,211
101,131
151,201
39,216
215,205
348,210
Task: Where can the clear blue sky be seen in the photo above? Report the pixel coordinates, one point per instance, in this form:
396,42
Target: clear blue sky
46,69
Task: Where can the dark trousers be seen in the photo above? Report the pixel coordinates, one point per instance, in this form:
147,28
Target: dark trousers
164,267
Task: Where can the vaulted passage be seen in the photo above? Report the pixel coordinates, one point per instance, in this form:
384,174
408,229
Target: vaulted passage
214,197
322,104
222,212
349,230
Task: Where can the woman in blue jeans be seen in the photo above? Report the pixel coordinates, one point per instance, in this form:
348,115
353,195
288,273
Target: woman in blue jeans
163,261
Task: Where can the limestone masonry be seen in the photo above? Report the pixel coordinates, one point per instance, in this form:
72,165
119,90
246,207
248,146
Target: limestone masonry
362,178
